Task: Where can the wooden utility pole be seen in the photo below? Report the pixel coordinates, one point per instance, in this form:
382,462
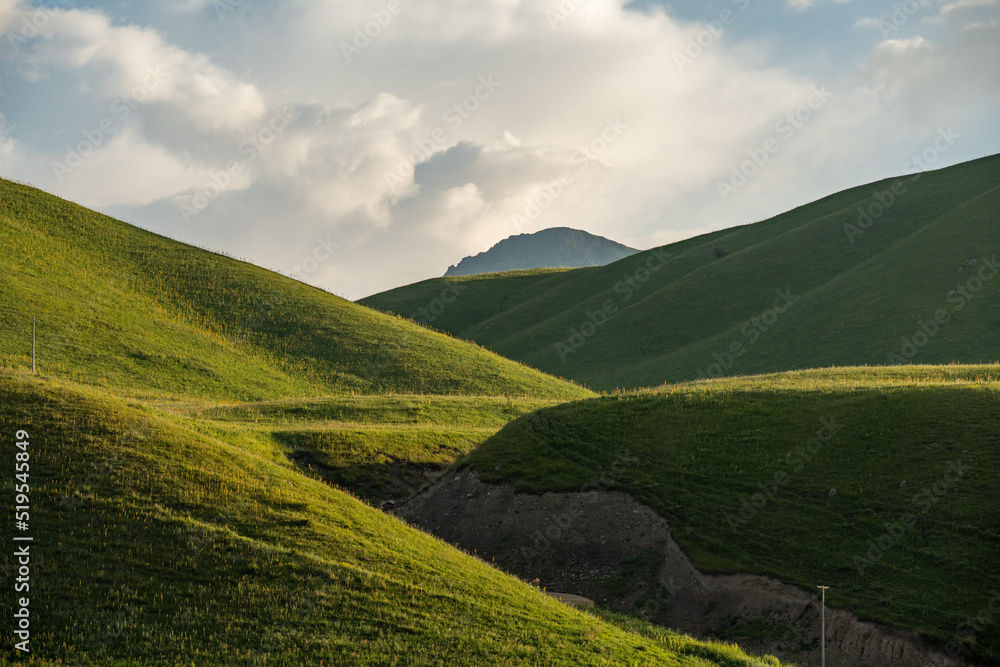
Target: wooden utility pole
822,617
32,345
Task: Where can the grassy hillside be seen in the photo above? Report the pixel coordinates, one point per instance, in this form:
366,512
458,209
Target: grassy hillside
858,277
163,539
383,448
449,304
123,307
187,417
880,482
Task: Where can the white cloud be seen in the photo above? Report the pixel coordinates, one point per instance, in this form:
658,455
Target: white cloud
495,169
474,108
962,6
808,4
930,81
9,18
117,61
186,6
867,22
169,110
129,159
10,153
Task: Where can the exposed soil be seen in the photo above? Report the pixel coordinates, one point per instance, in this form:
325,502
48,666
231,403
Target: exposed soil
380,484
610,548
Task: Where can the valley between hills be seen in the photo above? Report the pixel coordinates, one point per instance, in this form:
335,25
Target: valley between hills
227,466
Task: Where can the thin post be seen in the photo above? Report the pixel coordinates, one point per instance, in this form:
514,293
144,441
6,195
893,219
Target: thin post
32,345
822,621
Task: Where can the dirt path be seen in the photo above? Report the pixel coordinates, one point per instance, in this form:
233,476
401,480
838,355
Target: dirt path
608,547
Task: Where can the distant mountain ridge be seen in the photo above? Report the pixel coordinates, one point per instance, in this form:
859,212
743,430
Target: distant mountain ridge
554,248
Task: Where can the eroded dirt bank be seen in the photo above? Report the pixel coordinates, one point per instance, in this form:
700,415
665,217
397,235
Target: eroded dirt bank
609,547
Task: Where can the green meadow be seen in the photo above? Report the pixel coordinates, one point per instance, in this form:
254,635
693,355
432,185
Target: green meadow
879,482
196,428
164,539
211,442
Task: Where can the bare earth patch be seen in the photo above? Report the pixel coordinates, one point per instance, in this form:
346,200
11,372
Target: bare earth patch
608,547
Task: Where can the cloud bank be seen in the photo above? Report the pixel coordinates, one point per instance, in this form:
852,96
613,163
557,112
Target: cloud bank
365,145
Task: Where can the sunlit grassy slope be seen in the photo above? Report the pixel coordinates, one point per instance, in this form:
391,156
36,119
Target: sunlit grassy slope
123,307
382,448
880,482
187,412
858,286
163,539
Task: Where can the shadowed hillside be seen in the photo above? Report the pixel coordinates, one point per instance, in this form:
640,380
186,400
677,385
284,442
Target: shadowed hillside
879,482
898,271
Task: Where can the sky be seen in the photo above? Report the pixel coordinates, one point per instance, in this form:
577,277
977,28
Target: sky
360,145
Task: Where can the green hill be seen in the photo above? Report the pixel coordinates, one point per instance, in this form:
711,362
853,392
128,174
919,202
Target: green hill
383,448
891,272
161,539
449,304
880,482
184,435
122,307
557,247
